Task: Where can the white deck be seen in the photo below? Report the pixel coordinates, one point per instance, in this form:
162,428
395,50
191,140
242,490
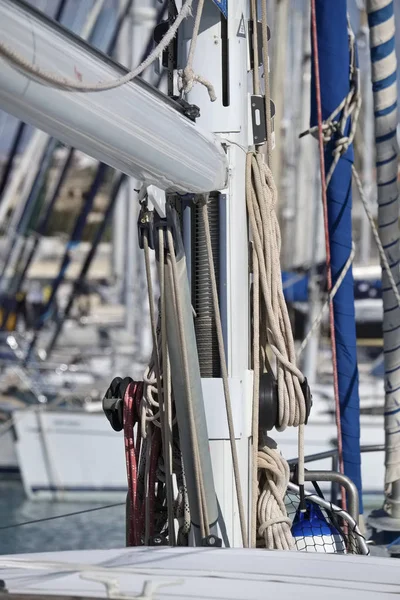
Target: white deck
203,573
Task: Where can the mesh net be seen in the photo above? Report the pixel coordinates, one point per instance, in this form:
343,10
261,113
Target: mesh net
321,529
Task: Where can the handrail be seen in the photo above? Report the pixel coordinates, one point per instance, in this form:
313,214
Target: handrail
334,452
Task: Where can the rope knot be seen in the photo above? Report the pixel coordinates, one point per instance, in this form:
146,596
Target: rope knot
188,78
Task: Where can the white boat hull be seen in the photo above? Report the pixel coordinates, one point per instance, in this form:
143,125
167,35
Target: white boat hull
69,456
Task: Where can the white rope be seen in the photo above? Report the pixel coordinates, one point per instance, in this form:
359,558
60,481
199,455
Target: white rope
261,197
54,80
261,200
331,295
274,474
187,76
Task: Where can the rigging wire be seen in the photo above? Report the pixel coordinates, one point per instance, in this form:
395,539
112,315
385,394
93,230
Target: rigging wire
314,40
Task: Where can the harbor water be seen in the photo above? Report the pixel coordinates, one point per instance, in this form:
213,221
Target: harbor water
103,528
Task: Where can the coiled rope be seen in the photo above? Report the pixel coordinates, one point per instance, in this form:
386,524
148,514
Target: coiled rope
274,475
269,305
270,473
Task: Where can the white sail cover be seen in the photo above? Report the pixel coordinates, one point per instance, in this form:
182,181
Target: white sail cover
383,62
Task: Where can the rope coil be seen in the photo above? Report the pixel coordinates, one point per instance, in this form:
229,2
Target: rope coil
274,475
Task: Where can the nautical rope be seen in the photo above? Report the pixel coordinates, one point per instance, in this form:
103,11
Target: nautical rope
261,196
187,76
71,85
269,306
324,186
261,200
224,373
274,476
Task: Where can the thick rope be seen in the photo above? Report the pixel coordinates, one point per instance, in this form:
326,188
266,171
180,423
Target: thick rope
274,475
261,196
71,85
261,200
224,373
187,75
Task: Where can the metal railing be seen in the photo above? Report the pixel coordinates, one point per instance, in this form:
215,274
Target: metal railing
336,478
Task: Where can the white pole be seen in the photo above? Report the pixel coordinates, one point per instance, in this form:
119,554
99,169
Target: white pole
231,122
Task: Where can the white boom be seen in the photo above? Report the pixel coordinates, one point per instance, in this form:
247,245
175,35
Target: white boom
133,128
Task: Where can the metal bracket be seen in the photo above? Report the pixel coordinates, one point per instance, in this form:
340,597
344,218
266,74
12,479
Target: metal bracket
258,119
212,541
145,226
191,111
259,44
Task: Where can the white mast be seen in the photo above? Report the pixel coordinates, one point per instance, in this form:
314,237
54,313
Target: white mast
231,123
